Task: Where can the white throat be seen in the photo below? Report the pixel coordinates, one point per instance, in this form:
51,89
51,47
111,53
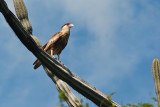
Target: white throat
65,29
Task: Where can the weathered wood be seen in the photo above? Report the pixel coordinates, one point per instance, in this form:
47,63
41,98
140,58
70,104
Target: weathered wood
55,67
156,76
71,99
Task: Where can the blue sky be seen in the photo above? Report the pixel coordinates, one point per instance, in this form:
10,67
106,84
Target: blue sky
112,47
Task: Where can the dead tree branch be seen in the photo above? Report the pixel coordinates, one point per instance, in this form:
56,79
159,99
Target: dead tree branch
55,67
71,99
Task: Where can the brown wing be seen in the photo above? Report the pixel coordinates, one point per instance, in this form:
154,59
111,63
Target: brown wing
56,37
44,46
53,39
61,43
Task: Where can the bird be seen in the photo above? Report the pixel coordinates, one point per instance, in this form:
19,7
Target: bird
56,43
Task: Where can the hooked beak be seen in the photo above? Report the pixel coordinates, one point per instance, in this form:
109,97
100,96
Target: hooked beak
71,25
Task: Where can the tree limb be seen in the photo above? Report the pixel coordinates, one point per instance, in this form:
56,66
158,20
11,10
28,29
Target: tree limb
55,67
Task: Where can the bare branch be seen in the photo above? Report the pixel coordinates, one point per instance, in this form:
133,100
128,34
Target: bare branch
55,67
72,101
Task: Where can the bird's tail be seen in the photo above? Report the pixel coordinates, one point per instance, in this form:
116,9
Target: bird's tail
37,64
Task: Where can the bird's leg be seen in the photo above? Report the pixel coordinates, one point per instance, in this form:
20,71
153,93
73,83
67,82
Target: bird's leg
58,57
51,52
59,60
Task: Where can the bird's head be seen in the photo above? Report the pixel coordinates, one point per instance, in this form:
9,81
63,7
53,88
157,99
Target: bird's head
67,25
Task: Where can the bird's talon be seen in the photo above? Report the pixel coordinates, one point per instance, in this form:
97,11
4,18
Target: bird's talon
54,57
60,62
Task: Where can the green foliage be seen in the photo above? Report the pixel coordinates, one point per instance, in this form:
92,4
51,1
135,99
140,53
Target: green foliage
142,104
84,105
154,99
62,96
139,105
109,99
